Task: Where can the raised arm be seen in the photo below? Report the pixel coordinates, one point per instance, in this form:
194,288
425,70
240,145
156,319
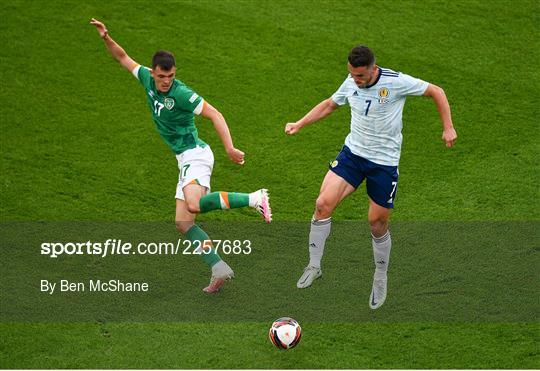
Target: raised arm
449,133
222,129
320,111
114,49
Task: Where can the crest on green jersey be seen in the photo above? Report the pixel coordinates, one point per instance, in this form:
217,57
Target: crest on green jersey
169,103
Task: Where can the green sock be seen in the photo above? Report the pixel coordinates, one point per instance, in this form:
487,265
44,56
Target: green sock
223,200
195,233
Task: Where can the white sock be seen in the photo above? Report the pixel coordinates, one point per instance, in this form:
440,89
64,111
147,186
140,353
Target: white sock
253,198
381,253
320,229
219,267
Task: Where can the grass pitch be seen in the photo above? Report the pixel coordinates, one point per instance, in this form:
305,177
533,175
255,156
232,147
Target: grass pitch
78,143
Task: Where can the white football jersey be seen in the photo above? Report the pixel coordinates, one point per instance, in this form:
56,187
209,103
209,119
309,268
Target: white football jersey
376,113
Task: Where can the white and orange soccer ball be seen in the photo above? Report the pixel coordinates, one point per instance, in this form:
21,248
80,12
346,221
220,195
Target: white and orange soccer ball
285,333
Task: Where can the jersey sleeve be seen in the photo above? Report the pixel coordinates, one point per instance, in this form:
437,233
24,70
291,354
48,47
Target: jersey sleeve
142,74
188,100
340,96
408,85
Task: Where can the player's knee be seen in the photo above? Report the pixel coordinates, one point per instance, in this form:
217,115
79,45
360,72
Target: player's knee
323,207
378,226
193,207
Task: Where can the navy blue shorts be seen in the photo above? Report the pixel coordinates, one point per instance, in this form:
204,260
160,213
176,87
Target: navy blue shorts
381,180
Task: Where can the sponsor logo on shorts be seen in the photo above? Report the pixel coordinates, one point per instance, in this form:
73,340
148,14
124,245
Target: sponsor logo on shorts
334,163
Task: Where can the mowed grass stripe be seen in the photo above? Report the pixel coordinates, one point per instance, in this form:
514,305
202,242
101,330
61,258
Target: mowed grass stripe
246,345
263,71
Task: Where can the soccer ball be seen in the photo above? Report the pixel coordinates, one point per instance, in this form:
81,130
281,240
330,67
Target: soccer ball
285,333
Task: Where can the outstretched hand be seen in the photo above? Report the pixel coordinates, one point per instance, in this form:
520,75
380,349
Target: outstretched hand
449,136
100,27
236,156
292,128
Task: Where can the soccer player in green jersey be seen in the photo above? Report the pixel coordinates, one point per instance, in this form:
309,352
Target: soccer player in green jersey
173,106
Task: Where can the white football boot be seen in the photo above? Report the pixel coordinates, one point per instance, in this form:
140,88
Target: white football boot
310,274
378,291
262,204
221,273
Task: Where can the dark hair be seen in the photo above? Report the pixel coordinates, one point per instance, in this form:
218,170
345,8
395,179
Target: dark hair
163,59
361,56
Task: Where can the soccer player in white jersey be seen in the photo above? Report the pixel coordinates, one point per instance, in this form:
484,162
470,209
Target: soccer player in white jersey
173,106
372,149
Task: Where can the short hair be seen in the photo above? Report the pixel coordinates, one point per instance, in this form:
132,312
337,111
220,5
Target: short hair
361,56
163,59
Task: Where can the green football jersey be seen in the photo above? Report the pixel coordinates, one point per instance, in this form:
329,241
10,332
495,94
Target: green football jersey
173,112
